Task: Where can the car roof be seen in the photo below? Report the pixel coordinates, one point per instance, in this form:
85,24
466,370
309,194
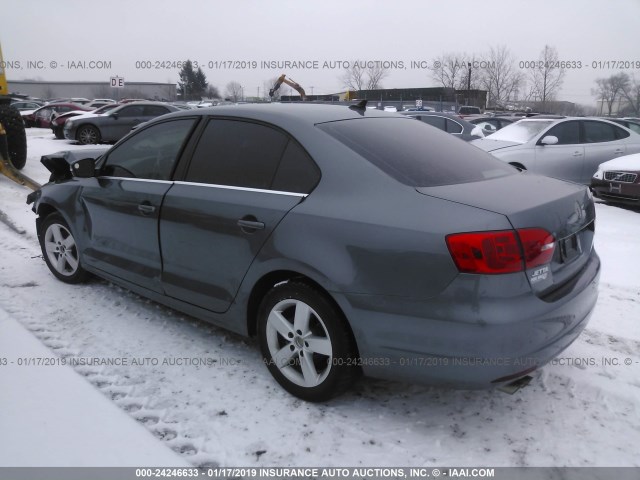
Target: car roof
308,113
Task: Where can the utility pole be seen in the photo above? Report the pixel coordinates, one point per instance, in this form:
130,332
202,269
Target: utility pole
469,84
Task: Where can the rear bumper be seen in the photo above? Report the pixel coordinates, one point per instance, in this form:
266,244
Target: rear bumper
481,331
626,193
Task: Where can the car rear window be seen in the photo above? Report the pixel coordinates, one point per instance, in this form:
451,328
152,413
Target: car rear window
414,153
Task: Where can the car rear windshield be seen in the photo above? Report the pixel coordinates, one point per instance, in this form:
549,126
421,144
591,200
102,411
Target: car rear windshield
414,153
521,132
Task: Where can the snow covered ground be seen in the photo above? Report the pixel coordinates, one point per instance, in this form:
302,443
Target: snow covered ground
204,392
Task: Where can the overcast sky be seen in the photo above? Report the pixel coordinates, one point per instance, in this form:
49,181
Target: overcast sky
125,32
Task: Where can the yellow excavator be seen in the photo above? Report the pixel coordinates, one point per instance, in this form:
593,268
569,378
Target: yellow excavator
13,139
287,81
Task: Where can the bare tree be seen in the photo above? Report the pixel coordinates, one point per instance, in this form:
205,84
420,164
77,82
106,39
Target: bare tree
609,90
375,74
632,95
449,70
354,77
546,79
364,77
234,91
500,76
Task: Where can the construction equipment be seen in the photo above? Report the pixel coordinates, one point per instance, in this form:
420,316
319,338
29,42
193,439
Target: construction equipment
287,81
13,139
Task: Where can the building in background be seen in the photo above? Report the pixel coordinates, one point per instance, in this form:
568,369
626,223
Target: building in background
49,90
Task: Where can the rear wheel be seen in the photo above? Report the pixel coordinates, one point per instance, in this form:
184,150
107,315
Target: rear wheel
306,342
60,250
88,135
12,122
59,133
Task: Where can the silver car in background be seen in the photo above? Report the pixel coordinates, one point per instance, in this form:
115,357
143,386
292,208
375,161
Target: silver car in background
567,148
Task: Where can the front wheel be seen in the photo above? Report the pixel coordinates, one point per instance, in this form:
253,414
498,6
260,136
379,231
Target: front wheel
306,342
60,250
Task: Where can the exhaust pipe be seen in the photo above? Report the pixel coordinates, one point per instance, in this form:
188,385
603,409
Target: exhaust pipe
516,385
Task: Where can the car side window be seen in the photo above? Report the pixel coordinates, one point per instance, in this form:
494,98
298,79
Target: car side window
238,153
151,153
132,111
438,122
154,110
634,127
453,127
621,133
596,132
568,133
297,172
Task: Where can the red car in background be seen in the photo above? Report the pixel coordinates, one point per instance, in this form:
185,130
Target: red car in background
42,117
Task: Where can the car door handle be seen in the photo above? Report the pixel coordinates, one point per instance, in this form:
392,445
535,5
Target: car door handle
618,151
247,224
577,154
146,208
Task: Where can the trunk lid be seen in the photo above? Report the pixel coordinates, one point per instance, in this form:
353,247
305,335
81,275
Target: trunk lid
564,209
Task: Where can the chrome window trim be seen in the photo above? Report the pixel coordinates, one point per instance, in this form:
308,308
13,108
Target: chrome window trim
211,185
135,179
245,189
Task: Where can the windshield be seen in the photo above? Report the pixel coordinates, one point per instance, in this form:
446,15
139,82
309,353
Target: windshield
520,132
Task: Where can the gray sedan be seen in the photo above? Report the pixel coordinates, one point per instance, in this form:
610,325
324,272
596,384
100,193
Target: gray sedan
334,236
566,148
115,124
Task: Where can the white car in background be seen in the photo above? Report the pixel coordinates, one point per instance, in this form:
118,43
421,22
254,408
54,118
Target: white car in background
569,148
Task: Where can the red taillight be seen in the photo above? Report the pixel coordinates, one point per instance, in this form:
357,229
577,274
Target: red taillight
501,251
538,246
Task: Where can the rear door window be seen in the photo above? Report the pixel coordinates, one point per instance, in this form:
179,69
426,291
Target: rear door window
238,153
597,132
154,110
438,122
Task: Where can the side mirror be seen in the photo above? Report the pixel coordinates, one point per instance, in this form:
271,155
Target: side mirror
549,140
85,168
115,115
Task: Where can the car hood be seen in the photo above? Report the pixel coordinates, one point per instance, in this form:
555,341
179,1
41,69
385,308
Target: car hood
626,163
489,145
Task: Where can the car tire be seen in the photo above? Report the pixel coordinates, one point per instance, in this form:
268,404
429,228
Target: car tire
88,135
59,133
60,250
306,342
16,137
